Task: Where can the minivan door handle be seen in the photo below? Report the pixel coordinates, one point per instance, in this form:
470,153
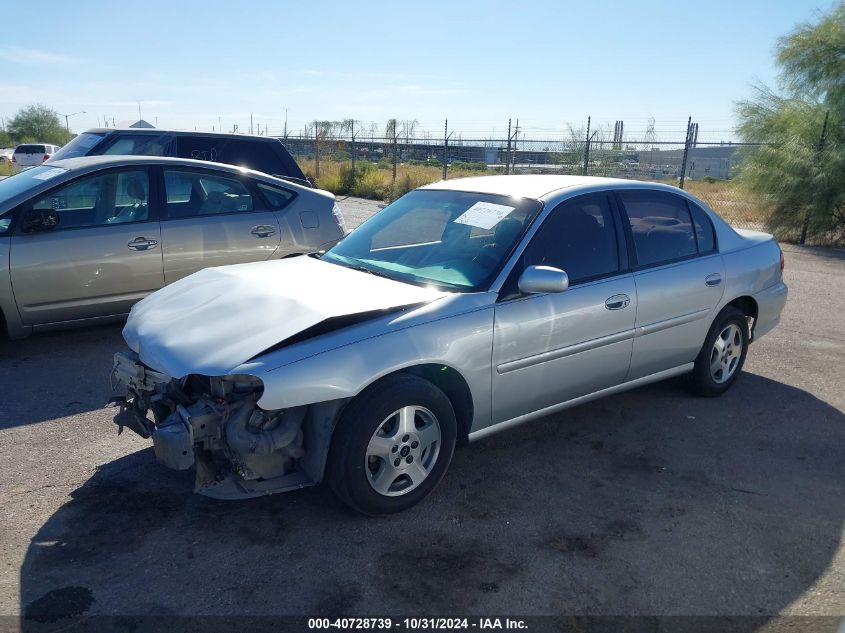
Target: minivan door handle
262,230
617,302
142,244
713,280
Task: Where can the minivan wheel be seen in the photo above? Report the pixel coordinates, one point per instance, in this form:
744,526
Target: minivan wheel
392,445
723,354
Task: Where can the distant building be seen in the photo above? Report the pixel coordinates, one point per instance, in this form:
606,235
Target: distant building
138,123
715,161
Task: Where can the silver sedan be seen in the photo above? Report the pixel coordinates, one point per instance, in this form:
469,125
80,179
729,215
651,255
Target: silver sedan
83,239
464,308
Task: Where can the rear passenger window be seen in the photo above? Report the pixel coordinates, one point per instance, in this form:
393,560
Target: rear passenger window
191,194
579,238
661,225
703,229
276,198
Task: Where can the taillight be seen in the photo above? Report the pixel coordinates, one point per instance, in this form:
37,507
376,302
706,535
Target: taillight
782,262
339,219
14,160
46,158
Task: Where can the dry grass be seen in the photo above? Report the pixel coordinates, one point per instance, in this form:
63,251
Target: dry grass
375,182
727,198
6,169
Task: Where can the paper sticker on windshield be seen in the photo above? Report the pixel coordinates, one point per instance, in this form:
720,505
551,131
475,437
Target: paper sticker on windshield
484,215
49,172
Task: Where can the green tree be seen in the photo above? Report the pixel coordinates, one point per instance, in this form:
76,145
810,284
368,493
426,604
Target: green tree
801,169
37,123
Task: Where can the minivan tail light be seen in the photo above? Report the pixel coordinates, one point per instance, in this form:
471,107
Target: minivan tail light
782,261
14,160
46,158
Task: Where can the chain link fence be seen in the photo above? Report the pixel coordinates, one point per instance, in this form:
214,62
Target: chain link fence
385,167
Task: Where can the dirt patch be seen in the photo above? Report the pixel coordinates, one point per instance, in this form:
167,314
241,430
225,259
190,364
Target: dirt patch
432,576
594,544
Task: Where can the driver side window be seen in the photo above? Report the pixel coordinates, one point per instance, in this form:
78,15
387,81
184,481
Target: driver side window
579,237
115,197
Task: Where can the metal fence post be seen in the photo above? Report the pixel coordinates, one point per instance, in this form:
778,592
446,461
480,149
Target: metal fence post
687,143
445,148
587,147
317,149
508,151
395,138
352,143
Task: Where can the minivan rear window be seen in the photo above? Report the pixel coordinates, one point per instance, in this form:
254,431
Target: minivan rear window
30,149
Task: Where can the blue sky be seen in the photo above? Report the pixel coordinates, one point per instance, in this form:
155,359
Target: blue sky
200,64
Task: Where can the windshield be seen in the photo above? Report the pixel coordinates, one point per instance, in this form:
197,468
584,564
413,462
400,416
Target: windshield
79,146
455,239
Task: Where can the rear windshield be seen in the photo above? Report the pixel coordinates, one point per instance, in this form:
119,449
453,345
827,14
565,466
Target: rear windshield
79,146
30,149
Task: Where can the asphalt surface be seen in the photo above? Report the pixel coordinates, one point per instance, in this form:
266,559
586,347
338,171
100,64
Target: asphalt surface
649,502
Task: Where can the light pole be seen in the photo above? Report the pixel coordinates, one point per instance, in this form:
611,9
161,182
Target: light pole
67,116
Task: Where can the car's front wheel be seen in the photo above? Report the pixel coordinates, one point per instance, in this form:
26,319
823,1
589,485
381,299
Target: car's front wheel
392,445
723,354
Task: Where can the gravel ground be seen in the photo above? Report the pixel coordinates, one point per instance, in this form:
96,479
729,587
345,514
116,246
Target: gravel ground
648,502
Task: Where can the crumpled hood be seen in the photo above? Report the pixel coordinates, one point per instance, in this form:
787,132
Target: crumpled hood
216,319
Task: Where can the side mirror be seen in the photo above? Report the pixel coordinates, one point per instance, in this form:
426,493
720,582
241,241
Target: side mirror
540,279
39,220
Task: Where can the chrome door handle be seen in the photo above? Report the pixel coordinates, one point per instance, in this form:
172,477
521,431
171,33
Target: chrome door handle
262,230
713,280
142,244
617,302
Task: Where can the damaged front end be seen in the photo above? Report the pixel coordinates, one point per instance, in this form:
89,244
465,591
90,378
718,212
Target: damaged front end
213,423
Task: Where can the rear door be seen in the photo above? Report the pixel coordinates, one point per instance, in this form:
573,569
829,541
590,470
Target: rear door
679,276
213,219
102,257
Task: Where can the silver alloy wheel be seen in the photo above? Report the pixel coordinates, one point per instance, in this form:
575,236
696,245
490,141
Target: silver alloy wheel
403,451
726,352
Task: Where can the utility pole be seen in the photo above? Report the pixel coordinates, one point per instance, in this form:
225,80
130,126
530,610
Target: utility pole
515,137
587,148
250,122
67,116
286,124
687,144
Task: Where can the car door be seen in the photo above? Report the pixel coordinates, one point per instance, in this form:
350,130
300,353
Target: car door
679,276
101,257
551,348
213,219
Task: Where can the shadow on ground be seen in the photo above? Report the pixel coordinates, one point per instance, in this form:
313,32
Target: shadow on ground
651,502
57,374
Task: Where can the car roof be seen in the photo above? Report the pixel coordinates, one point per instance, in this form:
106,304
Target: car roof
91,163
157,130
534,186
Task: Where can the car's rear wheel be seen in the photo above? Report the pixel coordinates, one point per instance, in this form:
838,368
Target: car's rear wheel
392,445
723,354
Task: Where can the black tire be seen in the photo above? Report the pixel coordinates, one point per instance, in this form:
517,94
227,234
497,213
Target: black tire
347,469
702,380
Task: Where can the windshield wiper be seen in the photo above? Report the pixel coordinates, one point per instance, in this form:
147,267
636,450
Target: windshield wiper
364,269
